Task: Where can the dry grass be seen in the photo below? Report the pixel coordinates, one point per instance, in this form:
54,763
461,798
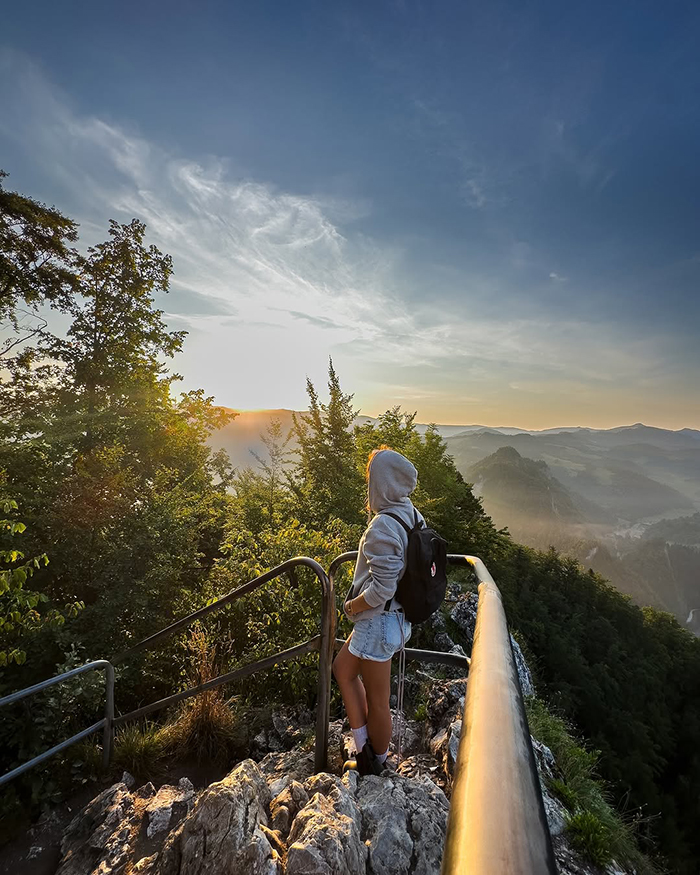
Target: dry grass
206,726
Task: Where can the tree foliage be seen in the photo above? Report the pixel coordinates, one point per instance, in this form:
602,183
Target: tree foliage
327,482
19,614
37,263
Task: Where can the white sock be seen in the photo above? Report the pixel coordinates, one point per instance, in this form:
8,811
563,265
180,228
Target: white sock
360,736
382,756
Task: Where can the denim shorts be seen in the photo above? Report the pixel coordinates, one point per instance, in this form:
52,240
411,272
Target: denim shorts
379,638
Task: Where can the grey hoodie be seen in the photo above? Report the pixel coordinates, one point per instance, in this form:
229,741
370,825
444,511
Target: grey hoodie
381,557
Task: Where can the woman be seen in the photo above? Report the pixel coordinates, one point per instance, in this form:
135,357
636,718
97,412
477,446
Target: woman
362,668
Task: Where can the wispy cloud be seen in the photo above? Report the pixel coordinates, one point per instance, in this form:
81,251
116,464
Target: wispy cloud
270,282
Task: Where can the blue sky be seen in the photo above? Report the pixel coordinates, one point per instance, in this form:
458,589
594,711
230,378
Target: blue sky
485,212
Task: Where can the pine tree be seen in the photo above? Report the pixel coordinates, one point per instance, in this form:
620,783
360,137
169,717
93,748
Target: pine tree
327,481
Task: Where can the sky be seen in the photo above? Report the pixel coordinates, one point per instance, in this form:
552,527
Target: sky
486,212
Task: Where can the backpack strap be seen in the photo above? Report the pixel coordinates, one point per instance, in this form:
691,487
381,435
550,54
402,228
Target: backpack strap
399,520
408,532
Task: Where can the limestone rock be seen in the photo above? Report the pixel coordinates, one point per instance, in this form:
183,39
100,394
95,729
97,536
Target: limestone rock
287,728
336,746
555,812
443,642
404,822
445,744
326,836
128,779
284,807
424,767
281,768
524,676
266,741
546,764
464,615
167,799
146,865
222,835
445,703
99,838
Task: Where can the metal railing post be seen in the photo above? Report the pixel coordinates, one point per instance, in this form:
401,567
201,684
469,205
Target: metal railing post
105,723
325,661
108,734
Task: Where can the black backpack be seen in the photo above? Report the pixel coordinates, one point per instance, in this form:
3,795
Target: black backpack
423,584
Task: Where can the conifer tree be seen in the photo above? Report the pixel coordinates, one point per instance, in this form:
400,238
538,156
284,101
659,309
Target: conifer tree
327,482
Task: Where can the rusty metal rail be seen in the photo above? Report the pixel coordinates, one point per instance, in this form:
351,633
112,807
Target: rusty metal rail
497,823
322,643
105,723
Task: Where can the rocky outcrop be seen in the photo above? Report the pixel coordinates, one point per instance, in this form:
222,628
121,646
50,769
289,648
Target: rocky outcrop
404,821
223,834
326,835
286,731
100,837
325,824
168,802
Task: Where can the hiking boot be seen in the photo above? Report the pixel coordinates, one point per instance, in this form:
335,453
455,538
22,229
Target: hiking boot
365,762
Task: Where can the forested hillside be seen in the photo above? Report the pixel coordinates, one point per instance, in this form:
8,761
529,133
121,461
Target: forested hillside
660,566
118,518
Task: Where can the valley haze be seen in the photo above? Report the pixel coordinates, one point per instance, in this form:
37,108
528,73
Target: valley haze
624,501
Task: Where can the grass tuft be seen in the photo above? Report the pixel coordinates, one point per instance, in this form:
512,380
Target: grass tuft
596,828
206,726
139,748
590,836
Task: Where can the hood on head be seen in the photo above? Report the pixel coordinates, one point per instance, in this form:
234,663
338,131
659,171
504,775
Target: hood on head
392,478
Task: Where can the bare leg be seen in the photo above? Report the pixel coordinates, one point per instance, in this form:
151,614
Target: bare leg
377,680
346,669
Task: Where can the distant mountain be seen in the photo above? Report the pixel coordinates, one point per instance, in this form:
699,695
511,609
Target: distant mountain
524,495
595,494
683,530
632,473
241,437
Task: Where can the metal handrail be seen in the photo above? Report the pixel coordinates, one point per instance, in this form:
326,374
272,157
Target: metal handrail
323,643
413,655
497,823
105,723
232,596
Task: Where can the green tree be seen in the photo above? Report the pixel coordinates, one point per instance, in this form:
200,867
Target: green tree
443,497
37,264
20,607
116,477
273,468
327,482
110,357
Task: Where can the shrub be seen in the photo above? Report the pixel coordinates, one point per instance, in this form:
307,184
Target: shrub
140,748
591,837
205,726
597,829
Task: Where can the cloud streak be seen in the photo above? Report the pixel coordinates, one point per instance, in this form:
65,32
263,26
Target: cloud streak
270,282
